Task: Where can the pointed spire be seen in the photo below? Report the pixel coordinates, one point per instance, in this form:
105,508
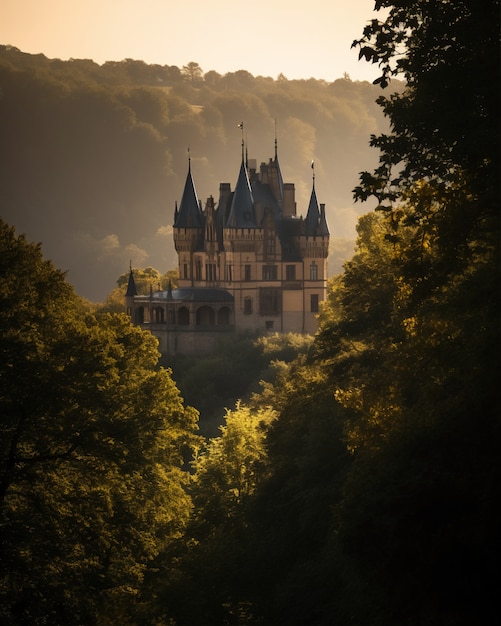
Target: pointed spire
242,205
241,126
276,142
313,214
189,214
131,285
280,180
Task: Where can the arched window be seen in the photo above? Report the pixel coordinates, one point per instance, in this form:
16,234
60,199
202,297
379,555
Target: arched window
158,315
223,316
140,315
183,316
205,316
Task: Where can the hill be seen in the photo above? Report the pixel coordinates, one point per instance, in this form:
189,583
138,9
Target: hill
95,156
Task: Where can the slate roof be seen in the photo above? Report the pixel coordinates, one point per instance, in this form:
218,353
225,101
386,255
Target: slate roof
189,214
313,215
242,213
131,286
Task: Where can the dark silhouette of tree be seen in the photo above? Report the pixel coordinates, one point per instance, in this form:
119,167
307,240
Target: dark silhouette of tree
193,72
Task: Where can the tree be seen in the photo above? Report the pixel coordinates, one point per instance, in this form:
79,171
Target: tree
209,557
445,125
193,72
216,381
94,439
145,279
419,511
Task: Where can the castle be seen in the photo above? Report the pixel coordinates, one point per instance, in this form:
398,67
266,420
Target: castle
248,263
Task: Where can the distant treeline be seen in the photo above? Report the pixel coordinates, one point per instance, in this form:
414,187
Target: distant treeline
94,156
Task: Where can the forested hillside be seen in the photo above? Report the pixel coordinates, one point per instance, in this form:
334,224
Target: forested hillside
359,484
94,157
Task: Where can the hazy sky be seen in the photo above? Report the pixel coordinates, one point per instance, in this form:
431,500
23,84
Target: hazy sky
299,38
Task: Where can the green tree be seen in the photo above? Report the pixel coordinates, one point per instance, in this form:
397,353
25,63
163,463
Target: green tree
216,381
445,124
93,441
420,383
145,279
226,472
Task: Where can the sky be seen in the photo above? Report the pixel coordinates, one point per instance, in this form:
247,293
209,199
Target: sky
296,38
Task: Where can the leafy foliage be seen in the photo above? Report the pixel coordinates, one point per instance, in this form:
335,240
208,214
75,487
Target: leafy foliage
94,439
377,503
217,381
144,279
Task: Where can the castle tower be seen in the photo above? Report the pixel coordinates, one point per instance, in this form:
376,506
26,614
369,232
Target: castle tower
188,229
314,246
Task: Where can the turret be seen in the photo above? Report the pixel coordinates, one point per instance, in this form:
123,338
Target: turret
314,241
188,227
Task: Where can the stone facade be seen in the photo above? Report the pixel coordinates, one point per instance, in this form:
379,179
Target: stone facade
248,263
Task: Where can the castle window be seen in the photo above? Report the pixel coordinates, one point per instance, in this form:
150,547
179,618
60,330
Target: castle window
158,315
210,271
247,272
269,272
229,273
270,302
314,303
183,316
290,272
269,324
198,269
313,271
140,315
269,244
247,306
185,270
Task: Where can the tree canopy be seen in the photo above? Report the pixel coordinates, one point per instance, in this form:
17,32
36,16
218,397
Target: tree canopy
94,440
